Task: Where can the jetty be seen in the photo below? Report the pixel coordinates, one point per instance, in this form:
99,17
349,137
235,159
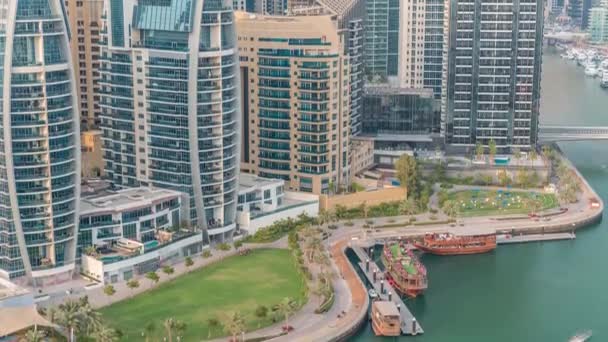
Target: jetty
409,324
504,239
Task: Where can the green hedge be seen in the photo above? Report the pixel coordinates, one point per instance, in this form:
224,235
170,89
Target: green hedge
279,229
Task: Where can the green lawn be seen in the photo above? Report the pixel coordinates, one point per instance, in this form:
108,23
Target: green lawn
482,202
239,283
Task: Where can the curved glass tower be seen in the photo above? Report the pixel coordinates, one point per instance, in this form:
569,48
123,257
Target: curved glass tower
169,101
39,143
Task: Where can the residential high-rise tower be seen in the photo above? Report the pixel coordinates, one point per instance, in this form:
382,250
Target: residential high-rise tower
170,103
491,87
39,143
84,23
296,100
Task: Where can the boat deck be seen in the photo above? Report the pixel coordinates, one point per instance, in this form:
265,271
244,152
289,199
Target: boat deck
407,318
503,240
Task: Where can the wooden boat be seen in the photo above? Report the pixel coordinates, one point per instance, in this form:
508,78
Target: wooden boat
450,244
386,319
405,273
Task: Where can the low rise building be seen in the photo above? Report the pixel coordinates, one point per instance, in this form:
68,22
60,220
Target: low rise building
263,201
133,231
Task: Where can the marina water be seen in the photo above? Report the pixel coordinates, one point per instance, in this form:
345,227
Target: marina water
537,291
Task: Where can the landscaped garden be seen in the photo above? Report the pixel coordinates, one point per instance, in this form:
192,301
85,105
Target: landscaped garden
501,202
202,298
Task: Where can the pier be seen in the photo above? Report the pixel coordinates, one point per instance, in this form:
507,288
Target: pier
409,324
509,239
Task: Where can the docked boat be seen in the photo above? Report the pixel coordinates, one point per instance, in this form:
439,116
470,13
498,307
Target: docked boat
450,244
404,271
590,70
604,81
386,319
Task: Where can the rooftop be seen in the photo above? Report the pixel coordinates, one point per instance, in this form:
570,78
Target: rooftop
116,200
387,308
247,180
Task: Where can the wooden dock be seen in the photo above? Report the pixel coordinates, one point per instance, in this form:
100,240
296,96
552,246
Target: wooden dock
508,239
409,324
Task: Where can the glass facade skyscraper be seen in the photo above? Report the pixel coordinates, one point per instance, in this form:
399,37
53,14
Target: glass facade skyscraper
493,69
170,103
381,43
39,143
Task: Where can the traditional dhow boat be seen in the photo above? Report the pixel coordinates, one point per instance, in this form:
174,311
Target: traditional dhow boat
404,271
450,244
386,319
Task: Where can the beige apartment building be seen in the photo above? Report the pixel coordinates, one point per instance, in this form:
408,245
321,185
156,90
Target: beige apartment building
85,23
295,86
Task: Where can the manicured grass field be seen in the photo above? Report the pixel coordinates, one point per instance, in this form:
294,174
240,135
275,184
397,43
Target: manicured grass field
240,283
483,203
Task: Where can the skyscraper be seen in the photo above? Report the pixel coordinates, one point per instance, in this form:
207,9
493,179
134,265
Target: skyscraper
381,43
492,73
84,23
170,103
39,139
296,100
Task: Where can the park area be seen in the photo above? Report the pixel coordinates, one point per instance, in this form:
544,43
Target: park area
263,277
501,202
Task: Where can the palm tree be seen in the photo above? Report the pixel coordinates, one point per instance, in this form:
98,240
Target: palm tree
286,307
105,334
492,149
91,251
69,316
479,150
90,319
33,335
153,277
174,326
188,262
168,270
109,291
234,324
133,284
313,245
213,323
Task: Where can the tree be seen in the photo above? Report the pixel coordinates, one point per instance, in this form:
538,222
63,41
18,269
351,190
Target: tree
479,149
364,209
450,208
492,149
189,263
133,284
408,207
90,319
503,178
442,196
522,178
33,335
213,323
234,324
109,290
238,244
406,170
105,334
286,307
261,312
533,155
153,277
173,326
340,212
168,270
206,254
535,205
